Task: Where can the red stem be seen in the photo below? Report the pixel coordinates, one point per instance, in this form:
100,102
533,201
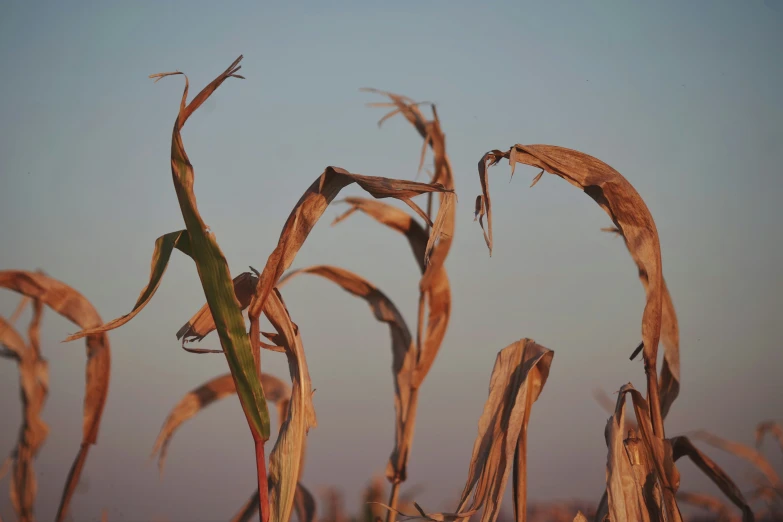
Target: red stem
263,487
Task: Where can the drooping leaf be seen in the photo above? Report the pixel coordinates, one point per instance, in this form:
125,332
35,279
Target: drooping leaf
669,384
683,447
34,388
520,373
276,391
76,308
311,207
286,458
743,451
630,216
403,351
164,246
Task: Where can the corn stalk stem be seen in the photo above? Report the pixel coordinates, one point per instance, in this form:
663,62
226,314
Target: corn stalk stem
263,486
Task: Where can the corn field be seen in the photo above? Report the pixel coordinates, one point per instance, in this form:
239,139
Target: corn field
642,478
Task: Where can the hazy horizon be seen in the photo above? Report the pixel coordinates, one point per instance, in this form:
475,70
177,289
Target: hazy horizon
682,99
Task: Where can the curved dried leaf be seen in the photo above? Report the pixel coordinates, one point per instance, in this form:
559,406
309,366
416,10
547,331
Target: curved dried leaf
632,482
752,455
771,427
11,339
520,373
682,446
669,384
311,207
286,458
76,308
164,246
34,388
403,350
628,212
275,390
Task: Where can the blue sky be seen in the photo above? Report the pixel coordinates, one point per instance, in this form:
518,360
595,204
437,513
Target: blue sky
682,98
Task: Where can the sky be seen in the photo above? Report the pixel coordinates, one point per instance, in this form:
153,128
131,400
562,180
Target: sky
682,98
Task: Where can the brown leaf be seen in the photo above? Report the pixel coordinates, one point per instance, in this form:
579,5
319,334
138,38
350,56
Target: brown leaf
73,306
403,350
34,388
275,391
630,216
311,207
520,373
682,446
633,478
744,452
287,456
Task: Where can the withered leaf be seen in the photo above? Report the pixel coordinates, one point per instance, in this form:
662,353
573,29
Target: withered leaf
403,351
275,391
76,308
630,216
520,373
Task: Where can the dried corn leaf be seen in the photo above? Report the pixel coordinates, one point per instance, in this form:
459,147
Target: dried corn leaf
669,384
771,427
164,246
655,476
311,207
630,216
520,373
10,339
403,351
202,322
275,390
752,455
438,290
682,446
34,388
73,306
437,295
286,458
434,283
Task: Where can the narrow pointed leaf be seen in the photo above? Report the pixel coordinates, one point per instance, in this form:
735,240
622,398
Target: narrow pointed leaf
311,207
276,391
213,268
164,246
683,447
403,351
